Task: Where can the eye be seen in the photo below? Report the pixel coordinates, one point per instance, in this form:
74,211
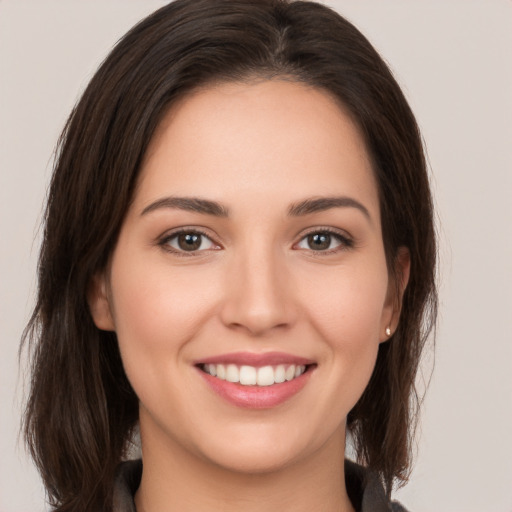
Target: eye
324,241
188,241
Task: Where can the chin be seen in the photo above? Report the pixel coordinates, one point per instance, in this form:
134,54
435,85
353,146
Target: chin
250,461
261,450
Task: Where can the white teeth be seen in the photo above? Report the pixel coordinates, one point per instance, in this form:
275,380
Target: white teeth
221,371
299,371
232,373
280,374
265,376
251,376
248,375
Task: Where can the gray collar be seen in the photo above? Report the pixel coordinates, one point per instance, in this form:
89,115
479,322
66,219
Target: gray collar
364,489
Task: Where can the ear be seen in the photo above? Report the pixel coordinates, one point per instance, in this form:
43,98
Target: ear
99,303
396,290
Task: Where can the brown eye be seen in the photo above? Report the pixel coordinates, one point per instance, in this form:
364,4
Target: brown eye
319,241
189,241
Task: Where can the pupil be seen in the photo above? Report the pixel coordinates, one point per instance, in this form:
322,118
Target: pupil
189,241
319,241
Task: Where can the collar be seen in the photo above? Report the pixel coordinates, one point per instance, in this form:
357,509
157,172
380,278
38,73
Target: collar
364,488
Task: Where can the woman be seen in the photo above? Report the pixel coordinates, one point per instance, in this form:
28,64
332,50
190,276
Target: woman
239,261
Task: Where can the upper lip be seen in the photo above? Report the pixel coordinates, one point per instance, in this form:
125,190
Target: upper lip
256,359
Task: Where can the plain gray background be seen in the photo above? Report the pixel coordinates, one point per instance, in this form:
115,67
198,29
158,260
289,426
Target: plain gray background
453,59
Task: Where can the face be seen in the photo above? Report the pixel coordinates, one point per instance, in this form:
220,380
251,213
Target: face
249,289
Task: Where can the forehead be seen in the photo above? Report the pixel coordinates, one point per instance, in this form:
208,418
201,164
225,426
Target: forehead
259,139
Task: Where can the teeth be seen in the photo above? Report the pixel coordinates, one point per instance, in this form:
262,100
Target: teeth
265,376
252,376
211,369
248,375
280,374
290,373
220,371
232,373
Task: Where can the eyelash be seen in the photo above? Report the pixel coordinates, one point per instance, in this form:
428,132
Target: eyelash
166,239
345,242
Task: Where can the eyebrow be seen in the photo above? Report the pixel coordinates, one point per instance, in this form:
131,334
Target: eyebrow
191,204
208,207
320,204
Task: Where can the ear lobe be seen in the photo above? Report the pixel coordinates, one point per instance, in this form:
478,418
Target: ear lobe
99,303
396,290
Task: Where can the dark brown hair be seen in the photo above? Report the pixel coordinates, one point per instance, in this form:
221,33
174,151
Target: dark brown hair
82,410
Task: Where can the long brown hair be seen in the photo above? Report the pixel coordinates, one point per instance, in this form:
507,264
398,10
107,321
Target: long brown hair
81,411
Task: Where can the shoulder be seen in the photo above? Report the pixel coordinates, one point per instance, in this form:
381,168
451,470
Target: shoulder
366,491
126,484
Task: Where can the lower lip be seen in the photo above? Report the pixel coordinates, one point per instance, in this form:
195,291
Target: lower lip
256,397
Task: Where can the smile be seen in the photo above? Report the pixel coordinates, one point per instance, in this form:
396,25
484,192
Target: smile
256,381
252,376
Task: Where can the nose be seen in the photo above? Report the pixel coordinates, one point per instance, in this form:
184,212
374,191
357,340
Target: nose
259,296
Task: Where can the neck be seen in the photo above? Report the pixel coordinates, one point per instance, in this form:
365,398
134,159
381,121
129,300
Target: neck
177,479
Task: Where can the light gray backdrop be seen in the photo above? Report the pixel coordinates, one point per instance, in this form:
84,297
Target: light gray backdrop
453,59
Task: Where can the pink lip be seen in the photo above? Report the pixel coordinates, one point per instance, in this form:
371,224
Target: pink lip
256,360
256,397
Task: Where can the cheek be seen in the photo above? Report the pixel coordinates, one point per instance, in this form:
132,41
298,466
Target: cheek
157,309
347,303
346,309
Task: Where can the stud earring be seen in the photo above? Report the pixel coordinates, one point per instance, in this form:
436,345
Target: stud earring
388,332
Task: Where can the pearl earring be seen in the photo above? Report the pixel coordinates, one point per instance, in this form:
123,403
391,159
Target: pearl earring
388,332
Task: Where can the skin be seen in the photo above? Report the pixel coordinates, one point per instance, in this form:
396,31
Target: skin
255,285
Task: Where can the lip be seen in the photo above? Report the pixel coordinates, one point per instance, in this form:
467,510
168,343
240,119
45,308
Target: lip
256,397
256,359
